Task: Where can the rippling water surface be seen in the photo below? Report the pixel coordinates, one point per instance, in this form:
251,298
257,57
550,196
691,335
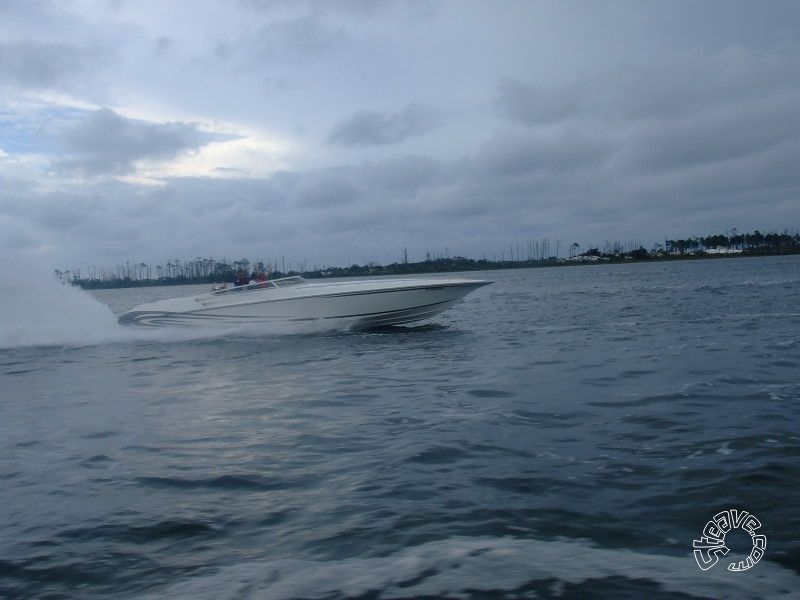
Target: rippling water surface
561,433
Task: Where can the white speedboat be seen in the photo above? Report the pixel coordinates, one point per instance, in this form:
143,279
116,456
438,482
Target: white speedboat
358,303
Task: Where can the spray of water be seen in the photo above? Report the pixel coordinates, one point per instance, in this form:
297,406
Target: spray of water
38,310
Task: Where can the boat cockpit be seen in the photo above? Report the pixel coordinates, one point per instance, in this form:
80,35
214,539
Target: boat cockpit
259,285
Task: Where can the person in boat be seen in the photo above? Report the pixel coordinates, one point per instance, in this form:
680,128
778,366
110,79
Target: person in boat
241,278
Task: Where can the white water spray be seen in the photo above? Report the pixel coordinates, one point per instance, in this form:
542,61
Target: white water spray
36,309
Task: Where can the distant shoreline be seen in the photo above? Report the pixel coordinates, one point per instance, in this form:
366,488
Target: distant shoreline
440,265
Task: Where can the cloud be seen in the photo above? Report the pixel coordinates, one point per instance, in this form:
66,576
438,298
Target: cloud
105,143
535,104
518,185
41,65
163,45
671,87
324,190
376,126
508,153
283,39
373,128
641,146
347,8
731,133
297,39
403,175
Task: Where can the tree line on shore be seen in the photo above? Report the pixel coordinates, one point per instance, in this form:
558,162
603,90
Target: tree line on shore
211,270
751,243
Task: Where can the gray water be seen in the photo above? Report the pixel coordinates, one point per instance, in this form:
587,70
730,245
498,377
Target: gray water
564,432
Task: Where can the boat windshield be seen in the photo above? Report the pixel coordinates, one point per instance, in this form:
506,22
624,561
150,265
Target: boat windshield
287,281
260,285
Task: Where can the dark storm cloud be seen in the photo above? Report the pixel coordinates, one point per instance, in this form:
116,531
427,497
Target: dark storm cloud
41,65
373,128
107,143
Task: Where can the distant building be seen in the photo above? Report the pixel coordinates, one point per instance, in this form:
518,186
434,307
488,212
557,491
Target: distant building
584,258
722,250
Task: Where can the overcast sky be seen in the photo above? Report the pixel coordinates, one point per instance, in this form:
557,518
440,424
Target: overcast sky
343,131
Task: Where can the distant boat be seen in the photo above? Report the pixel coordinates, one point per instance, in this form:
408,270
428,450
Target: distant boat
358,303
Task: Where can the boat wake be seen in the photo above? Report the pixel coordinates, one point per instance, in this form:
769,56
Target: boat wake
466,567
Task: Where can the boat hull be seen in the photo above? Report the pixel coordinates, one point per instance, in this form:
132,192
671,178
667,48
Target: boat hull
350,303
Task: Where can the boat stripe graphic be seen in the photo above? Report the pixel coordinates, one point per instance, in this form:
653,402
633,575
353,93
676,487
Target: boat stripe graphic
163,318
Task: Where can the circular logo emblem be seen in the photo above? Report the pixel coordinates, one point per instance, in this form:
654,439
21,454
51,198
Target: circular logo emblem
712,544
